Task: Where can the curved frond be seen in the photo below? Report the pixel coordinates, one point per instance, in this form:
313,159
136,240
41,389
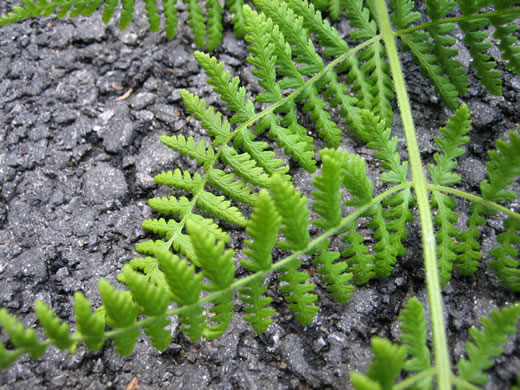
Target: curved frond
414,335
56,330
487,344
335,274
327,197
507,263
90,325
22,338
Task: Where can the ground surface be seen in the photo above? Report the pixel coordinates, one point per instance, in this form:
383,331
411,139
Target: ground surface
82,106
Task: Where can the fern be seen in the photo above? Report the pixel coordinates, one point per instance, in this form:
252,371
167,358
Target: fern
191,274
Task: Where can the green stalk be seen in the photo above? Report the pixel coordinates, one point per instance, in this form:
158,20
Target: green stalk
440,345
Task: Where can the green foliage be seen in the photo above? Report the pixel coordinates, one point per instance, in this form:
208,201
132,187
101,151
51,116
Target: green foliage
360,224
488,343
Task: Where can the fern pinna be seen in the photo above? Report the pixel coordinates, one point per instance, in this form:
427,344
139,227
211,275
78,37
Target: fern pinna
237,169
205,23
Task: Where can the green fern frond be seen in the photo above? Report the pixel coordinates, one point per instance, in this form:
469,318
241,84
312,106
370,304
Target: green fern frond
385,367
219,270
90,325
171,205
468,249
335,274
152,301
443,42
422,49
398,212
403,14
454,136
57,331
196,22
386,251
8,357
121,312
360,19
507,264
292,207
414,336
245,167
487,344
24,339
231,185
356,181
185,287
220,207
180,180
187,147
217,128
152,13
149,267
172,229
235,6
502,170
298,292
262,228
214,24
505,34
327,197
170,18
475,39
360,262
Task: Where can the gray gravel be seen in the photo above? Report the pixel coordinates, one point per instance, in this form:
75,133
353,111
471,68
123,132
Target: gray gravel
82,106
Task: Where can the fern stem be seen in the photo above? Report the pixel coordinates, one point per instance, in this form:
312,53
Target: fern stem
442,358
408,382
474,198
458,19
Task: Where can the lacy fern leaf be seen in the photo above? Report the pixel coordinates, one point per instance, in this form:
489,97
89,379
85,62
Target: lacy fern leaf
487,344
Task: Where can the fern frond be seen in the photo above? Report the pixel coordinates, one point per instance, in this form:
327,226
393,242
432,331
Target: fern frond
507,264
454,136
360,262
180,180
441,173
170,18
220,207
214,24
185,287
121,312
232,186
244,166
487,344
398,213
262,228
90,325
171,205
235,6
25,339
402,15
414,335
298,290
475,38
219,269
443,42
57,331
108,10
187,147
468,249
505,34
422,49
356,181
327,197
385,367
172,229
196,22
502,170
386,251
127,13
335,274
149,267
152,14
152,301
226,87
359,18
217,128
292,207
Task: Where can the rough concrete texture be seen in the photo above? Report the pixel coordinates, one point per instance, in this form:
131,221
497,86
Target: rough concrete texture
82,106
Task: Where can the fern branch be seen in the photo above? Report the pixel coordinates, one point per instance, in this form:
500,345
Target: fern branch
507,264
487,344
